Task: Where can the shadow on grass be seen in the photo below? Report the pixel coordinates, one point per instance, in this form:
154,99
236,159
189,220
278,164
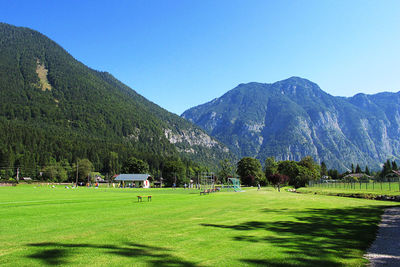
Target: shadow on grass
56,253
312,237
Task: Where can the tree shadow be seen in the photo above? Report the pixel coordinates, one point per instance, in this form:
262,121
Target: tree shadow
56,253
317,237
52,256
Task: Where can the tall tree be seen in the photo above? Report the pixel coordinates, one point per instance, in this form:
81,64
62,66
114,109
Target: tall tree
358,169
174,172
299,173
250,172
226,169
324,170
314,169
394,166
367,170
334,174
85,167
386,169
271,167
113,163
134,165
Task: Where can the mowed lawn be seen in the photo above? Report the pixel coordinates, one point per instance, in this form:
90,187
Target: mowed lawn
88,226
377,189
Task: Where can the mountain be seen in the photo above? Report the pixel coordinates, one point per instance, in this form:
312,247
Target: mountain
53,106
294,118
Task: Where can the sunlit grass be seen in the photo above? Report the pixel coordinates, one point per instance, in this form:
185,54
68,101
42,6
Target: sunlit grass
372,189
88,226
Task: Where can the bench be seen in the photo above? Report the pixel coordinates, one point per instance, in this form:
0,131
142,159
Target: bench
140,198
204,192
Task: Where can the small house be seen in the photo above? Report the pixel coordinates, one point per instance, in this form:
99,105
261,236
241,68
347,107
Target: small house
139,180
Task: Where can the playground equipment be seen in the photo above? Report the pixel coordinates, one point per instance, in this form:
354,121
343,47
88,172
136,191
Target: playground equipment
207,182
234,184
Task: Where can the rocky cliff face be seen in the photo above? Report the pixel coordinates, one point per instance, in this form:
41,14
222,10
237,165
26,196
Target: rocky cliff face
294,118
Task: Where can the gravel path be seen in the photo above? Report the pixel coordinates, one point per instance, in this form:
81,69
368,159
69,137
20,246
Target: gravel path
385,251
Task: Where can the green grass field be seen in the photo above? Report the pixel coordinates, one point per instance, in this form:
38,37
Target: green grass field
363,189
88,226
376,188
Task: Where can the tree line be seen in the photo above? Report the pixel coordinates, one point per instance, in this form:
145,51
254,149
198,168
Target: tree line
380,175
277,173
172,170
296,173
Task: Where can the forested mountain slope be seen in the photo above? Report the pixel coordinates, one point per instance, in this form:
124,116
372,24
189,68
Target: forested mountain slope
53,106
294,118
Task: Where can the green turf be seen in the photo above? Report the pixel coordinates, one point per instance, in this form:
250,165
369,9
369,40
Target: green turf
371,189
87,226
377,187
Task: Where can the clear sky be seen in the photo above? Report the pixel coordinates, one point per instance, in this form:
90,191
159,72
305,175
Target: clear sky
180,54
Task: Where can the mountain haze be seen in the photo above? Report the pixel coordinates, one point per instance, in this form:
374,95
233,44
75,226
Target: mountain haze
53,105
294,118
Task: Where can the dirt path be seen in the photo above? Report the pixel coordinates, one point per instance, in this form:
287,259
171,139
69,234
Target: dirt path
385,251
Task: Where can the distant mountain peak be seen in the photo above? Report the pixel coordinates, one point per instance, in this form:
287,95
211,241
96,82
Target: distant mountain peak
293,118
296,79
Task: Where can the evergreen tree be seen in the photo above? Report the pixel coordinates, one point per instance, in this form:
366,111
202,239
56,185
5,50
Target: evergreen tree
367,170
394,165
358,169
334,174
387,168
352,168
323,169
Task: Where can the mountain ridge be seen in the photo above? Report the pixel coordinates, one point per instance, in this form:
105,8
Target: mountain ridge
82,103
294,117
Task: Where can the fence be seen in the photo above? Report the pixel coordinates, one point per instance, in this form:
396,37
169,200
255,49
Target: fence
387,184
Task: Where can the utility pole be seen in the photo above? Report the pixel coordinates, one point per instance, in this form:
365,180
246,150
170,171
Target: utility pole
174,180
76,184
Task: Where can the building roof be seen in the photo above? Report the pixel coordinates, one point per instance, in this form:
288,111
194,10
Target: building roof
396,172
132,177
358,175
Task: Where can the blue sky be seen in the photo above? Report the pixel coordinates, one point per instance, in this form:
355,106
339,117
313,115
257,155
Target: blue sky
180,54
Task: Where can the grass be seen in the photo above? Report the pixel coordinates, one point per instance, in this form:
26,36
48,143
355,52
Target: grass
367,189
393,186
88,226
